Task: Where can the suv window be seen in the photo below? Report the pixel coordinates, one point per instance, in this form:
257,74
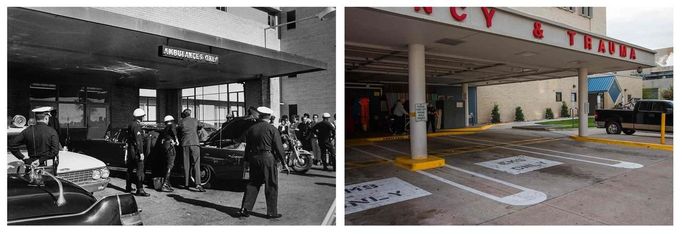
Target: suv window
658,106
644,106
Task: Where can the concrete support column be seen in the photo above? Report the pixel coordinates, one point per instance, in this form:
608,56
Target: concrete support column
583,102
465,97
417,94
168,103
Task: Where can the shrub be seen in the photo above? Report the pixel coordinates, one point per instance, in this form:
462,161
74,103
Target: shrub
564,110
495,115
549,114
519,114
667,94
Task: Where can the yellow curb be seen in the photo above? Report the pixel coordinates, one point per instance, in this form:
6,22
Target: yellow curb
442,132
625,143
429,162
472,129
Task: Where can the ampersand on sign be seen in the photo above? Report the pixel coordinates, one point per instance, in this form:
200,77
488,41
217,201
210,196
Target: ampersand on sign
537,30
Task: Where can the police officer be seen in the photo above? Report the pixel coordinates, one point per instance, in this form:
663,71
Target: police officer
41,140
169,139
190,148
325,132
135,154
263,146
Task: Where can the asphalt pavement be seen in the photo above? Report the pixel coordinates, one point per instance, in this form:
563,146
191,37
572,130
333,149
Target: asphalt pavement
511,177
304,199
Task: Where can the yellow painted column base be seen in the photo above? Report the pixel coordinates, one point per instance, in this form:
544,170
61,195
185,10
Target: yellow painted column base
419,164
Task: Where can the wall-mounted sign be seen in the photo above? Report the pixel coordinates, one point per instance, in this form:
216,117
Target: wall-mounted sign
184,54
420,112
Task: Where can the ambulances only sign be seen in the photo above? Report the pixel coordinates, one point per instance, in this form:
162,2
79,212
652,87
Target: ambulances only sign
378,193
196,56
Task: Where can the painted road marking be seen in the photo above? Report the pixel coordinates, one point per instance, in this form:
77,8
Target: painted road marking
518,164
373,194
525,197
484,147
618,163
330,217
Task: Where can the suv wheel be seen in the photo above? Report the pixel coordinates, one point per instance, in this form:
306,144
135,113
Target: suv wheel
613,128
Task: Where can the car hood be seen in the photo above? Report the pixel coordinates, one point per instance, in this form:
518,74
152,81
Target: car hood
27,201
233,129
68,161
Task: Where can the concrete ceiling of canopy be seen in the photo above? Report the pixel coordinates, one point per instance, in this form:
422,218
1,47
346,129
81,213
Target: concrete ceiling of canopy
376,51
128,51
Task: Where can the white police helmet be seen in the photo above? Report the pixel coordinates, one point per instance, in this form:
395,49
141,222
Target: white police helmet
168,118
139,112
326,115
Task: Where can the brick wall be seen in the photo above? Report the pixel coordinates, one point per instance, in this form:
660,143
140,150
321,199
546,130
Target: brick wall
312,92
206,20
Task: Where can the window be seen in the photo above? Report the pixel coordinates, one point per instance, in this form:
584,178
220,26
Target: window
570,9
222,9
43,92
291,17
558,96
76,106
148,104
644,106
574,97
650,93
212,104
272,20
586,12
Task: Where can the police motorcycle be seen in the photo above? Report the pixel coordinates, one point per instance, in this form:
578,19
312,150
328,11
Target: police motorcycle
295,156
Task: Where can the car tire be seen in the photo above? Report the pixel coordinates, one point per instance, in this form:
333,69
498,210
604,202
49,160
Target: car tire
206,175
629,131
613,127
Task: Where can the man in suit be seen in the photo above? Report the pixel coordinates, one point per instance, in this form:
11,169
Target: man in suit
190,148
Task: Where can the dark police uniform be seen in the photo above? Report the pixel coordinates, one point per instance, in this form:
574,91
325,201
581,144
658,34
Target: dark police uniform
263,145
135,148
167,137
42,143
325,134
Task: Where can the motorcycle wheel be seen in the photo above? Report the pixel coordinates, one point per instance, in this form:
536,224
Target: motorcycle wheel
303,164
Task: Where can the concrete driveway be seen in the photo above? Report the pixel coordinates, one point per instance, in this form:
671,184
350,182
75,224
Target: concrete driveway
303,200
517,177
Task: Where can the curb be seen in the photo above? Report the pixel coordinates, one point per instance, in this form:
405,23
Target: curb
625,143
442,132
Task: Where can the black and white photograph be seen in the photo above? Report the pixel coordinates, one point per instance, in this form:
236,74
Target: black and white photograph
171,116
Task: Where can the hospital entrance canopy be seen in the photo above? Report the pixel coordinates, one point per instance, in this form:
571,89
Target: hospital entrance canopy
79,40
478,46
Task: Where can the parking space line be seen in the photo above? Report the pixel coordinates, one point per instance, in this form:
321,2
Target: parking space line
355,165
619,164
330,217
480,148
525,197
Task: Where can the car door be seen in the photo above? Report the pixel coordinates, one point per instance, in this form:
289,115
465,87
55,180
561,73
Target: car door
645,116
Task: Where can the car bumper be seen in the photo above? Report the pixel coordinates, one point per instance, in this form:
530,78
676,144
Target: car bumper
95,185
600,124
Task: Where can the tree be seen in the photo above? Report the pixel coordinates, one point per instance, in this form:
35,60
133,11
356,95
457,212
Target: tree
667,94
519,114
495,115
549,114
564,110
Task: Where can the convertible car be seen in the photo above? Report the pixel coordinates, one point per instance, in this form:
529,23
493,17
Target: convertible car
56,201
87,172
222,154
